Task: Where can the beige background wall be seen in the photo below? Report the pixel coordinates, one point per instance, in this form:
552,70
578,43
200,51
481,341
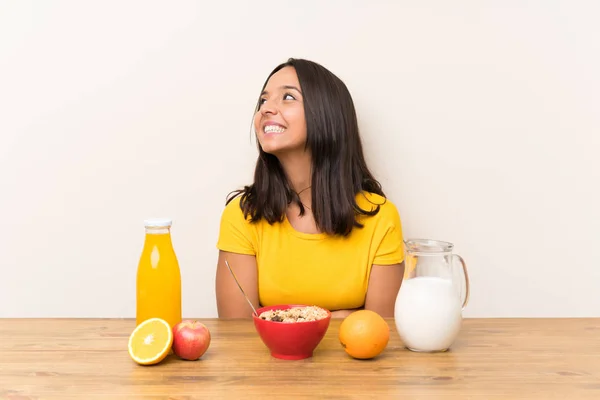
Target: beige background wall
481,118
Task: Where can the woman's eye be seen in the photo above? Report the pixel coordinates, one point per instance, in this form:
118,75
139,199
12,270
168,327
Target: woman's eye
288,96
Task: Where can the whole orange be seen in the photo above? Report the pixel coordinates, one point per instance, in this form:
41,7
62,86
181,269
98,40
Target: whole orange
364,334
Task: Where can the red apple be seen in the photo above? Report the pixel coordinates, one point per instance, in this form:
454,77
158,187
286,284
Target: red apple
190,339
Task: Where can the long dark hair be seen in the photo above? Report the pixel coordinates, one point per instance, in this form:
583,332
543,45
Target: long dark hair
339,170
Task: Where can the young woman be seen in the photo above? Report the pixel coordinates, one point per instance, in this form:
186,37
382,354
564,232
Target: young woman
315,227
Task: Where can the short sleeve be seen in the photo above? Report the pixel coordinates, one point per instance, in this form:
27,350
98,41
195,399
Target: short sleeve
235,232
391,245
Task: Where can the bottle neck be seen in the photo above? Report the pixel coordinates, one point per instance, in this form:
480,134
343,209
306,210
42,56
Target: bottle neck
158,237
158,231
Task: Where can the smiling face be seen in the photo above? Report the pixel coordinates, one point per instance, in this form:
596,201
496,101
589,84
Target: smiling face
279,122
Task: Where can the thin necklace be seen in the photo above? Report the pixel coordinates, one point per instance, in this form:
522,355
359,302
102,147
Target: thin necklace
306,188
298,194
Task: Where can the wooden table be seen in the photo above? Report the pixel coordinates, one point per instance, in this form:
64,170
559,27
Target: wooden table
491,359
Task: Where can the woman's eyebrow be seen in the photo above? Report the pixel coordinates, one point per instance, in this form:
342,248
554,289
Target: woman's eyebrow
292,87
283,87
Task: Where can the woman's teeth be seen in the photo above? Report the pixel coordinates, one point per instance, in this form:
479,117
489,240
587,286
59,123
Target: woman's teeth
274,129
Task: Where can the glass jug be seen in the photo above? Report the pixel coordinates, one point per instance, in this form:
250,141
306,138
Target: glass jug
429,305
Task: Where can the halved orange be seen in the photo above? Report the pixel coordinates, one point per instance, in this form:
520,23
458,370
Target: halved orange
151,341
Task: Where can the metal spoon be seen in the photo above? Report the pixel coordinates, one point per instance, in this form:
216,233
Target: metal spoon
240,286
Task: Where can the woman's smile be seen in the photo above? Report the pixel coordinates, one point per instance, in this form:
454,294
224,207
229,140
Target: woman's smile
271,128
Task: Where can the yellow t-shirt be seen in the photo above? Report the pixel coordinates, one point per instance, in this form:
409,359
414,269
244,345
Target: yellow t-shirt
315,269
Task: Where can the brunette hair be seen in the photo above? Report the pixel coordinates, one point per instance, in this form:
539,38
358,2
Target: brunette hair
339,170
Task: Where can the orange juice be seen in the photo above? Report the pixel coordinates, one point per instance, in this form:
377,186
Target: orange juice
158,291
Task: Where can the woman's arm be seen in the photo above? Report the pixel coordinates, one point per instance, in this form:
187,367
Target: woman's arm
384,284
230,300
343,313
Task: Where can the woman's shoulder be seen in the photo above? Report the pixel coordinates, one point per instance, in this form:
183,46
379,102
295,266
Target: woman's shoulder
233,201
233,209
371,201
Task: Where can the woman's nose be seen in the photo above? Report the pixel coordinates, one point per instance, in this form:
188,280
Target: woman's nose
268,107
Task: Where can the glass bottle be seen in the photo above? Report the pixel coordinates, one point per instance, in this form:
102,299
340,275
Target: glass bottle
158,288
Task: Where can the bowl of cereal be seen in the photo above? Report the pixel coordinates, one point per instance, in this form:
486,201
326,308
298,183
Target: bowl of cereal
291,332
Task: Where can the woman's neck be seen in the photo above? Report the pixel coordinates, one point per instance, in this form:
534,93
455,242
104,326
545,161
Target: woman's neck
297,168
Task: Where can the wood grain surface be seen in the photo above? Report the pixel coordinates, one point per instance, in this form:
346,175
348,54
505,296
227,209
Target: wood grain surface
491,359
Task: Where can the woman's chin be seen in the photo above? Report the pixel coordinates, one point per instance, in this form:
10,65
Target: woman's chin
275,150
286,151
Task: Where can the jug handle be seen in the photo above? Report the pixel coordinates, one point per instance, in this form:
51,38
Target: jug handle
467,288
